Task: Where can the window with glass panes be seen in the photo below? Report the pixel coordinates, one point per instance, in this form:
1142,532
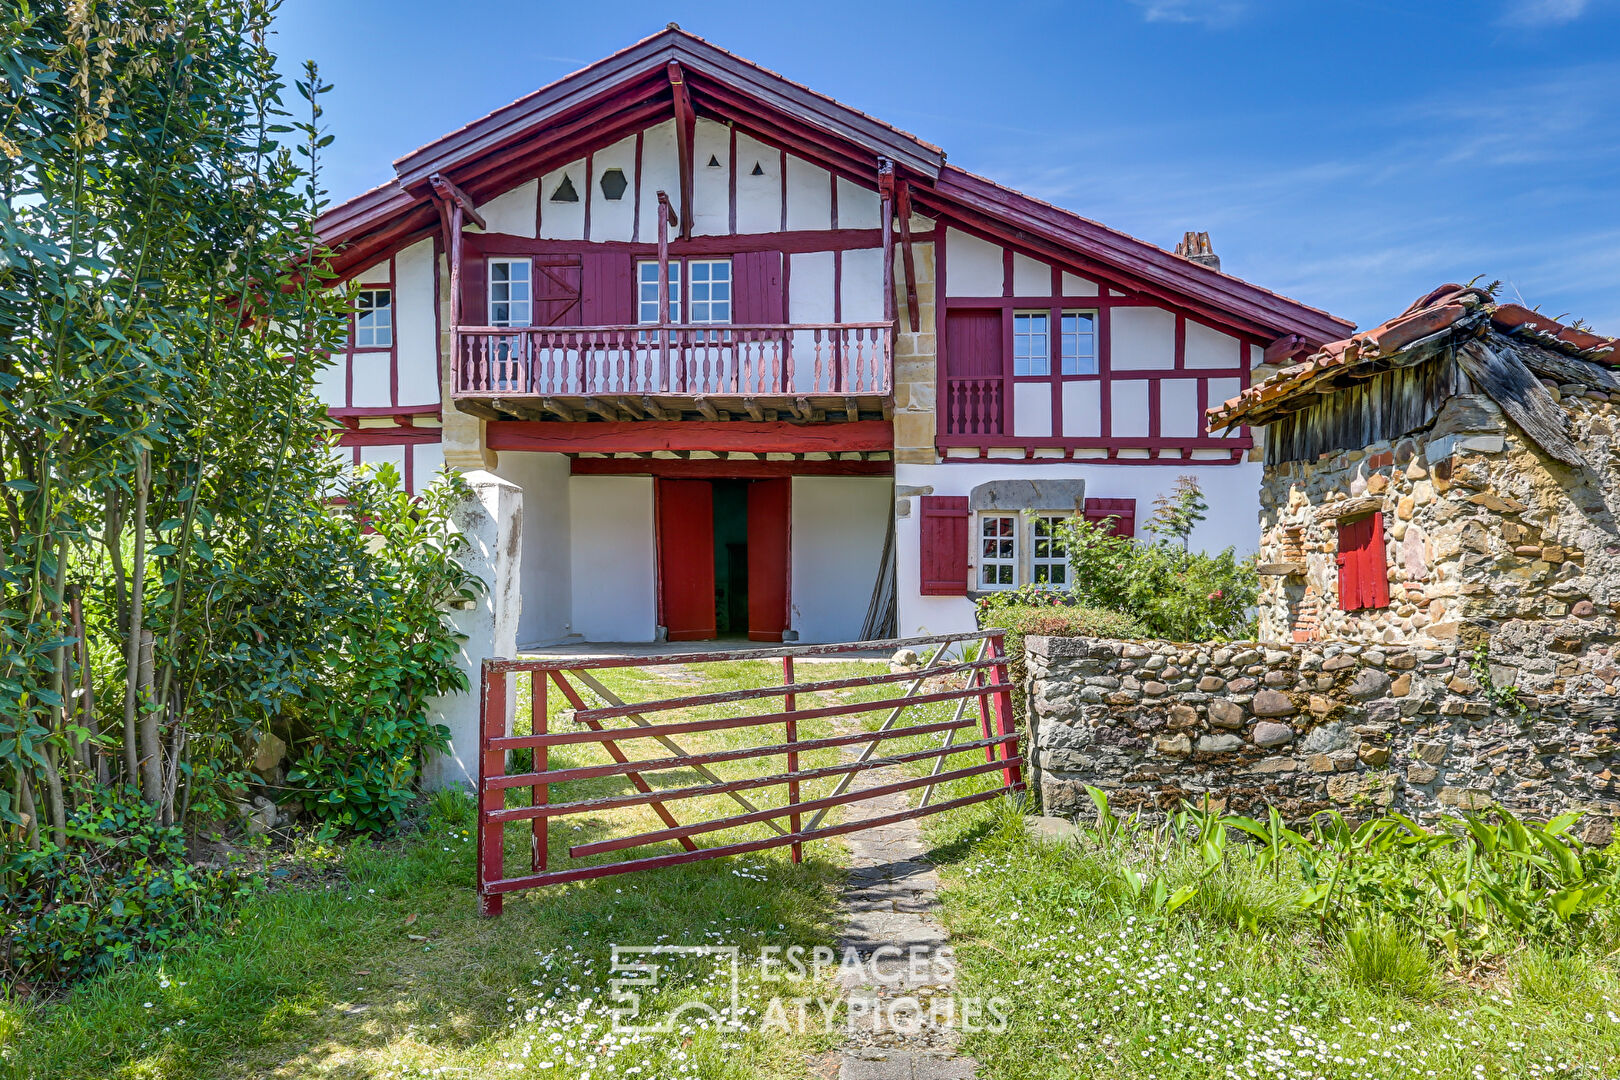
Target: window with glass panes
998,551
1077,339
510,295
1048,552
1032,349
647,292
709,290
373,319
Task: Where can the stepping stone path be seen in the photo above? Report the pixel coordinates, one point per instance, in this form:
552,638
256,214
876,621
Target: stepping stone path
891,902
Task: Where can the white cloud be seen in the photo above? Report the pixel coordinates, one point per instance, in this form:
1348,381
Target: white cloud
1212,13
1544,12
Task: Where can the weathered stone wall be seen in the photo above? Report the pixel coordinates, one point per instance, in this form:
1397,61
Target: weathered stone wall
1480,528
1425,730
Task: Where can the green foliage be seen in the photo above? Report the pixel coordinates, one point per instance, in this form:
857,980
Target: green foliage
1176,514
1383,955
1480,885
362,725
125,887
1174,593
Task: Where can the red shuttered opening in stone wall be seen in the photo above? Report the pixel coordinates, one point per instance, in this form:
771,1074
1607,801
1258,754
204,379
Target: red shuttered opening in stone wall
1363,576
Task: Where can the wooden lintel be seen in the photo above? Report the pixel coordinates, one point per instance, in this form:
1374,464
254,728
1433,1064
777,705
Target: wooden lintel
447,192
706,407
903,212
561,410
685,136
852,410
681,436
755,413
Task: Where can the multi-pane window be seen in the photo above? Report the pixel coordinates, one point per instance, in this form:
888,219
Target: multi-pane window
1032,351
510,294
709,282
647,292
998,551
1048,551
1077,336
373,319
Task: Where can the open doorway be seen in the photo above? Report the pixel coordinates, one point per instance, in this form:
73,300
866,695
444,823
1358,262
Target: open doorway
723,558
730,558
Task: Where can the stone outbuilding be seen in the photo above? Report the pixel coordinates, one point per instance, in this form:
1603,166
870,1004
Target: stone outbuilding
1447,478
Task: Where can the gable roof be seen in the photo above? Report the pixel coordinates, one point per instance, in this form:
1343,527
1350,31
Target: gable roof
1449,315
631,89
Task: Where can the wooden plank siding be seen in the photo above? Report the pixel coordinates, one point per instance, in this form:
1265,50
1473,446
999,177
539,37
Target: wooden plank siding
1380,407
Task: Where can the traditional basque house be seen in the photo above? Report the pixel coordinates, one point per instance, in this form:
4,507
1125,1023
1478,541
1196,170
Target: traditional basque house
1451,474
762,364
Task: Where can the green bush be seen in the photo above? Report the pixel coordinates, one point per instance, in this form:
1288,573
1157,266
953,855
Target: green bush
362,725
125,887
1176,594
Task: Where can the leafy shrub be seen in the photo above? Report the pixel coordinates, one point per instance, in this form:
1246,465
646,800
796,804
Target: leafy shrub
125,887
1477,885
362,727
1175,593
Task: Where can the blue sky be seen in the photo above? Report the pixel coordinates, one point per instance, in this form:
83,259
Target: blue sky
1352,154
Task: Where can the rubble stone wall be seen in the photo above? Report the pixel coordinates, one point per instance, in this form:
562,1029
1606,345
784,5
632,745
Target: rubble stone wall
1480,527
1306,727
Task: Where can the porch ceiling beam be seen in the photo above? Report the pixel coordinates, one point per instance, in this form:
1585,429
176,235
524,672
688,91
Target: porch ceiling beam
683,436
446,192
560,409
685,136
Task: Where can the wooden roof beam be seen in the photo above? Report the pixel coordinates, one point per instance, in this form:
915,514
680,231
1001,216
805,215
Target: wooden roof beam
903,211
447,192
685,136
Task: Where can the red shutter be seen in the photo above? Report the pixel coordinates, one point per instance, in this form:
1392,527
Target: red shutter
1363,575
944,531
608,290
756,288
1374,573
1119,513
557,284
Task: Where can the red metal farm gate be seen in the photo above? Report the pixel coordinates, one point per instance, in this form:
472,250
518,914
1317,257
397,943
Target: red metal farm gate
966,669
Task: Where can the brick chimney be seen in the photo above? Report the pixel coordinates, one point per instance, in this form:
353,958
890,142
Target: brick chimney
1194,247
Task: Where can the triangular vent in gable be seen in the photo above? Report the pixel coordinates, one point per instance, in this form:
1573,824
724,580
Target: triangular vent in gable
565,191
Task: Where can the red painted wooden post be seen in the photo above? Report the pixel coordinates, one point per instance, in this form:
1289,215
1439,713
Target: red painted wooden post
491,763
540,794
1002,705
789,703
663,288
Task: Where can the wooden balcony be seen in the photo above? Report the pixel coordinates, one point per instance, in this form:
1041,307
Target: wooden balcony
801,372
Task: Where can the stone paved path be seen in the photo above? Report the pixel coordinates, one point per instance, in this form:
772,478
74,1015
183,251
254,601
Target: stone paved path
891,902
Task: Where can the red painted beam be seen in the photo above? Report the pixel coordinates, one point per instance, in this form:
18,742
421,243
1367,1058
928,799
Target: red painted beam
685,134
904,211
646,436
705,468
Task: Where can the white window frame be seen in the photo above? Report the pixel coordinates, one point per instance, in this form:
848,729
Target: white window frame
1057,550
1032,343
1005,556
526,304
647,291
371,332
715,302
1076,361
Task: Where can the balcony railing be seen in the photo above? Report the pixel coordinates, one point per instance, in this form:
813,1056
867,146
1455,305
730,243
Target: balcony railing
677,360
973,406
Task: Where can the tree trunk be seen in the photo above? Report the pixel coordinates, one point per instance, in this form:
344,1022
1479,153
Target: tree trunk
151,740
133,641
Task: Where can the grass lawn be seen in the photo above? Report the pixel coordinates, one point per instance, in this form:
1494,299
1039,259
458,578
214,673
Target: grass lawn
383,969
1096,989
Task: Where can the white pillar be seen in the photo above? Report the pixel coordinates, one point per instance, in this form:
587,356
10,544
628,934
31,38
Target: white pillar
491,522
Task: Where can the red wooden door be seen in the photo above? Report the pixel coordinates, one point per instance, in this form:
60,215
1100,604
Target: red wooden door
686,558
768,503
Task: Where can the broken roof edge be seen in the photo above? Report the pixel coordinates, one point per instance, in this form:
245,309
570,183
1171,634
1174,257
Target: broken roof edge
1448,310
